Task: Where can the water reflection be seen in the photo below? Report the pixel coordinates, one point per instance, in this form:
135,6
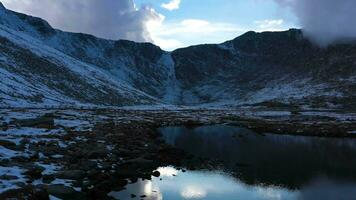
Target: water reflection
257,167
200,185
289,161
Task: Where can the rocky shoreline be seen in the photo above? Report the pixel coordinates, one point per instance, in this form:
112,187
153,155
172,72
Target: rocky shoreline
85,154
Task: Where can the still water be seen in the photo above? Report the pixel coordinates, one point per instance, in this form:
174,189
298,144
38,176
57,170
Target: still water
255,167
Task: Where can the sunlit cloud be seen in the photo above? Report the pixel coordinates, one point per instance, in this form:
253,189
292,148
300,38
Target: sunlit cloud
110,19
168,171
270,25
193,192
172,5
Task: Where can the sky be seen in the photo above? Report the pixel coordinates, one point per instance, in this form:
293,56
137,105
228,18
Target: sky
173,24
193,22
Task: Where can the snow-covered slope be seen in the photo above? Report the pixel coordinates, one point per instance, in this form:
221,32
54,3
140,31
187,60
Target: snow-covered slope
40,66
34,73
265,67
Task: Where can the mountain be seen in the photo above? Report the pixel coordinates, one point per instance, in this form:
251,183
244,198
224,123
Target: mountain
272,66
43,66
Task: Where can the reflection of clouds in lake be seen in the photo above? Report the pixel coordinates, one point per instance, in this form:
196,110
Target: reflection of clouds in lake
140,188
195,185
270,193
168,171
148,188
193,192
215,185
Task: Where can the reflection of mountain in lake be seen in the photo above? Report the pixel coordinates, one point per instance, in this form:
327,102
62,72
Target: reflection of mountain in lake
271,159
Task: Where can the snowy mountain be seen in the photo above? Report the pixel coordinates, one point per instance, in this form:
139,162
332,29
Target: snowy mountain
42,66
33,72
281,67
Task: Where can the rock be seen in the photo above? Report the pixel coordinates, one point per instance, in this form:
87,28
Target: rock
8,144
40,194
61,191
121,152
92,172
4,126
34,172
139,161
88,165
121,183
96,193
156,174
20,184
45,121
133,196
127,173
97,154
8,177
86,184
133,180
25,141
106,166
48,178
70,174
34,156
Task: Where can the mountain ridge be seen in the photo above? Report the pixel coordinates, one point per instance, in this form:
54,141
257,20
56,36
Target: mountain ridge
251,69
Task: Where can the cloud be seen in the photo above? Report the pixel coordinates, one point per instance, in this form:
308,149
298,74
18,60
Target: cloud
110,19
172,5
270,25
325,21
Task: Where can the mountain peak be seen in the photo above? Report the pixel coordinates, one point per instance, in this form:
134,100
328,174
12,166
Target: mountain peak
3,11
2,7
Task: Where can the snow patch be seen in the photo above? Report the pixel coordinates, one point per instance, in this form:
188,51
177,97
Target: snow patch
29,131
11,184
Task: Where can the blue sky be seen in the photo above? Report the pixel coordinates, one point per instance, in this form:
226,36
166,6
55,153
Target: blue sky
215,21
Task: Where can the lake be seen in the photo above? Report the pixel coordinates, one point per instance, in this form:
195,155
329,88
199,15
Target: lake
255,166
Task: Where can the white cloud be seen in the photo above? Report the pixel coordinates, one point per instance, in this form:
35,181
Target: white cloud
194,24
172,5
111,19
270,25
325,21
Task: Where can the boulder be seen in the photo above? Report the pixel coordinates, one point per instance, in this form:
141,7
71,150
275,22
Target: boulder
70,174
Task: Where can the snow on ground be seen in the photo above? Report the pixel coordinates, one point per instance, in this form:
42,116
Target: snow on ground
14,139
53,198
49,168
7,153
283,90
8,115
29,131
77,125
338,116
271,113
16,172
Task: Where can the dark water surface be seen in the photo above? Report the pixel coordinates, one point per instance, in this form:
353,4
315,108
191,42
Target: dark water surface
255,167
